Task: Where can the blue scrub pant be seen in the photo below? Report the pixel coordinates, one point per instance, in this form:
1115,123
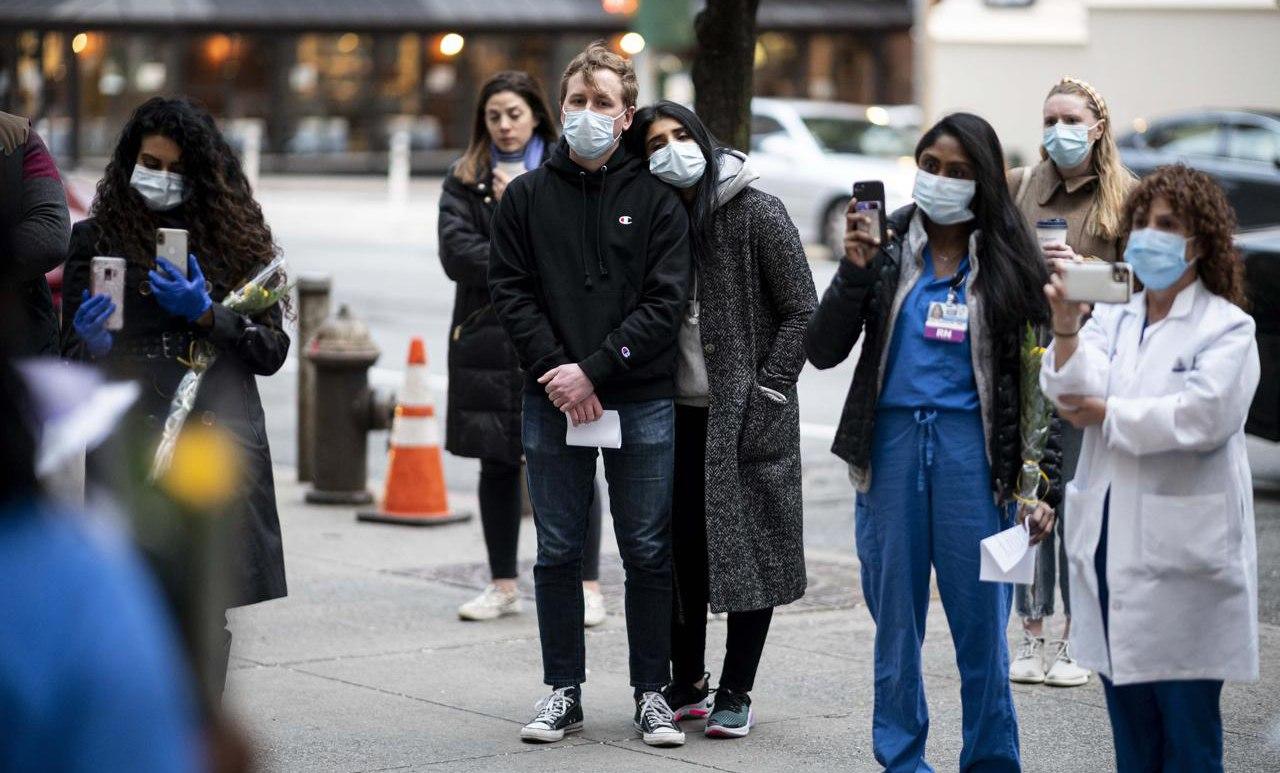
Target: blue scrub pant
1159,727
930,504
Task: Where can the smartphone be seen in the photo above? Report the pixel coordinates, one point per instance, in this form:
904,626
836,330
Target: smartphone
171,244
107,277
870,197
1097,282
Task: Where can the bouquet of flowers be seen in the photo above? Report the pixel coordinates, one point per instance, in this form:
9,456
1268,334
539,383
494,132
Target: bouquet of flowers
1035,418
261,292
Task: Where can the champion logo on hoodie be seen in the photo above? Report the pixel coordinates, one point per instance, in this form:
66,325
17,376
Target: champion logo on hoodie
625,220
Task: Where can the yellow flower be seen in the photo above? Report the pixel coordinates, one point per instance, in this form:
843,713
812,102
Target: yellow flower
1038,351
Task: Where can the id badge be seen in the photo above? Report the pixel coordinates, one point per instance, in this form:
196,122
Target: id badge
947,322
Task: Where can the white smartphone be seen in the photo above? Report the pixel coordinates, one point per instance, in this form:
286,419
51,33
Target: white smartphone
171,244
1097,282
107,277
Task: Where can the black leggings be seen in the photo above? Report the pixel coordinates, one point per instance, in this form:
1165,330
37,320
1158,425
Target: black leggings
747,630
500,518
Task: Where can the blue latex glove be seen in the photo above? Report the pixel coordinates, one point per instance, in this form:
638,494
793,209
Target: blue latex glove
90,322
178,295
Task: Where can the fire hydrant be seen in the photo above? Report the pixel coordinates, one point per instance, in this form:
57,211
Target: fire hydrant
344,410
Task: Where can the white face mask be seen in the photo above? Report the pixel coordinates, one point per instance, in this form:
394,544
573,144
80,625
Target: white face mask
160,190
944,199
590,134
678,163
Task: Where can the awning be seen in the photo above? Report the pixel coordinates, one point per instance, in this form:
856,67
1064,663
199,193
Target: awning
407,15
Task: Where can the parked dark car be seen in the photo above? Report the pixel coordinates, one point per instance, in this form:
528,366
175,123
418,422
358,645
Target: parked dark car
1261,253
1238,148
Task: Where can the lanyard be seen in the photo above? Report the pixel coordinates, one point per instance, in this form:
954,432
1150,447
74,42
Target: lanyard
955,283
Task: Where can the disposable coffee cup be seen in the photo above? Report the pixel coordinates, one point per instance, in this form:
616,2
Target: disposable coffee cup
1052,231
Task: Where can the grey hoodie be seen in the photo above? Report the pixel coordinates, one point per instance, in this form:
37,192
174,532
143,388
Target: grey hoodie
735,174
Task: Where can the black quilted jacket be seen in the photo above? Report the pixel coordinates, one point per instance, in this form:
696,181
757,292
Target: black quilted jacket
861,299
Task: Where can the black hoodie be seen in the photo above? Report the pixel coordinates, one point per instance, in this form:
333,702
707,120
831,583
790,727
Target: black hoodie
593,268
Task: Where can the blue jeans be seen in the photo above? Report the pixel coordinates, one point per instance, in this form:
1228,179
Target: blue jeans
930,504
639,476
1159,727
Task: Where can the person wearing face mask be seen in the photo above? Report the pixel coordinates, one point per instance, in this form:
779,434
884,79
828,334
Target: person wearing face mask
172,168
930,429
737,514
1082,182
1162,503
589,269
512,133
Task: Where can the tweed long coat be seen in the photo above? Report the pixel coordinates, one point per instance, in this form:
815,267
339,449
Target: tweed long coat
757,296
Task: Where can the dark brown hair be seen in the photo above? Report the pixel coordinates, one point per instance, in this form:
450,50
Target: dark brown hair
475,163
1202,207
597,56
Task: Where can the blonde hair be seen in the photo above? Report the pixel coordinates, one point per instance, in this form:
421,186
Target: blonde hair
1114,180
597,56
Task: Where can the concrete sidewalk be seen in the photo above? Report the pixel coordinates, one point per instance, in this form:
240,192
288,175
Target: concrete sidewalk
366,667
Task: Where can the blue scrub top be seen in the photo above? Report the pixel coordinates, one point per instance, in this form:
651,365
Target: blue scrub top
923,373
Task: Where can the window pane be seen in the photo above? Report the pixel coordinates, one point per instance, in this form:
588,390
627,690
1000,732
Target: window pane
843,135
1253,143
1191,139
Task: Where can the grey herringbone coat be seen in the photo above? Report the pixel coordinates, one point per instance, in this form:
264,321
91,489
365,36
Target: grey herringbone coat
757,296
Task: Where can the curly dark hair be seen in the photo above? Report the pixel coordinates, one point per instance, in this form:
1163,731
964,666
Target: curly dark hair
1202,207
228,232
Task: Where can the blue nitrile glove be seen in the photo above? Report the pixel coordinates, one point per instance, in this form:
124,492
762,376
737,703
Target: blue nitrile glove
90,322
178,295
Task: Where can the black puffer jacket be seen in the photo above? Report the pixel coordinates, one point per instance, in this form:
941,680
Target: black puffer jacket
862,298
483,418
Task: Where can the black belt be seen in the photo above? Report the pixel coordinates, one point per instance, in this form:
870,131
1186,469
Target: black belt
165,346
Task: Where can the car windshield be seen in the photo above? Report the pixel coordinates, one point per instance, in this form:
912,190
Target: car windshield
848,135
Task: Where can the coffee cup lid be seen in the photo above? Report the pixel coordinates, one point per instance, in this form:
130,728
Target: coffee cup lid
1053,222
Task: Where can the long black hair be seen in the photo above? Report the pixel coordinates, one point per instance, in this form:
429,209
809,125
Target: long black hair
1012,274
475,162
228,232
704,196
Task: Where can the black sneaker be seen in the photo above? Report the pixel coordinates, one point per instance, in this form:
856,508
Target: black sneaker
689,701
732,716
558,713
655,722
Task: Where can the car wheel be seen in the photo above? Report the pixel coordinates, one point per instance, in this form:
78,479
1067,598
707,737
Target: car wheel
833,227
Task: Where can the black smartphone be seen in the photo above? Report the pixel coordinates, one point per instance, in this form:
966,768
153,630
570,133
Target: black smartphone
870,197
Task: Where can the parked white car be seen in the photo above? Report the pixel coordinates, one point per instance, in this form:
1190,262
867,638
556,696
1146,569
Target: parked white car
810,153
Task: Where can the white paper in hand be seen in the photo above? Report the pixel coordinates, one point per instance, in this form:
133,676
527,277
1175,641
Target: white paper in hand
1008,556
604,432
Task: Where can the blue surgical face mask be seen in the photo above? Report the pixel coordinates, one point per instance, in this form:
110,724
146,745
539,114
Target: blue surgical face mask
1068,144
678,163
160,190
588,133
1157,257
944,200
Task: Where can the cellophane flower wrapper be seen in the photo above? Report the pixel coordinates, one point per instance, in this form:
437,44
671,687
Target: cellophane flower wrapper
1035,419
259,293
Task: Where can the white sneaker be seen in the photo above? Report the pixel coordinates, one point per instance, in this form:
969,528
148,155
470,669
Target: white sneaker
594,612
1064,672
491,604
1028,666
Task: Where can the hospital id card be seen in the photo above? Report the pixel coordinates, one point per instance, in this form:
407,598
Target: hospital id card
947,322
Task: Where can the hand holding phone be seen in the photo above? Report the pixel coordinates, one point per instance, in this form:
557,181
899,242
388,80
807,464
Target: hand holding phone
107,278
171,244
864,223
1095,281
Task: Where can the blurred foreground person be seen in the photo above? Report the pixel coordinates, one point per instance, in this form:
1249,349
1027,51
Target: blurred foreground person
737,520
1074,199
1162,550
91,673
513,133
172,168
34,228
931,429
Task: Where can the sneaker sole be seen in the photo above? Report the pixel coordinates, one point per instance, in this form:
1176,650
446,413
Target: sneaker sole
720,731
1025,679
693,711
594,623
471,617
1080,682
534,735
661,739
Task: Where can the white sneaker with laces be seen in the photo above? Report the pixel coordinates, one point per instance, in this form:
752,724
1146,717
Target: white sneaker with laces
656,722
594,612
1028,666
1064,672
491,604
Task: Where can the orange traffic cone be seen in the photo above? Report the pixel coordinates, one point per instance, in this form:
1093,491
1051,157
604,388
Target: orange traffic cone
415,492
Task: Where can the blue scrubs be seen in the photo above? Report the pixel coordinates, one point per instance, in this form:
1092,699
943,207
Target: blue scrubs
929,505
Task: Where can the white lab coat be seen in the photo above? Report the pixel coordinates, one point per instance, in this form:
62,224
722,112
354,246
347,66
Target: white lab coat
1182,561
